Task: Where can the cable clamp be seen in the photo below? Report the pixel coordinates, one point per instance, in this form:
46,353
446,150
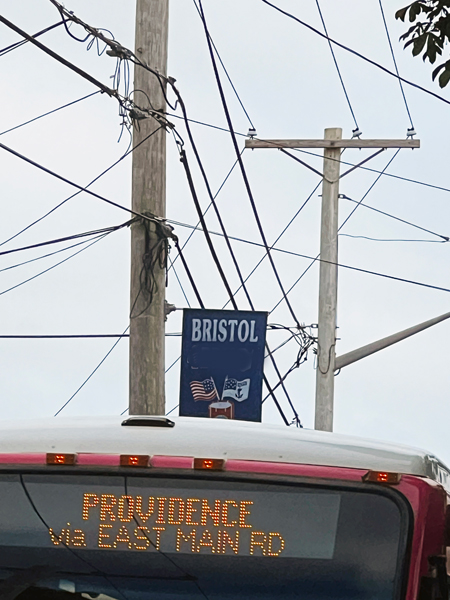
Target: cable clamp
118,51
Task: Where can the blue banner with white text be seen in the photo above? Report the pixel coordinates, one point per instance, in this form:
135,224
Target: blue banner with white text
222,364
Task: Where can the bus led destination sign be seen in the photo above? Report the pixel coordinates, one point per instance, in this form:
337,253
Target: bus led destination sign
187,524
199,522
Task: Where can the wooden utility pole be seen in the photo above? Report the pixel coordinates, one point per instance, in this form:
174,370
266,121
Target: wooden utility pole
326,360
147,392
326,340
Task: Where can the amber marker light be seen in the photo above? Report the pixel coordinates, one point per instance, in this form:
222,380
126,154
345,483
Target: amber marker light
382,477
134,460
61,459
210,464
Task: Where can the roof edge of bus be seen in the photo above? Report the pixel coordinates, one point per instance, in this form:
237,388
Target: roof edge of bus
217,438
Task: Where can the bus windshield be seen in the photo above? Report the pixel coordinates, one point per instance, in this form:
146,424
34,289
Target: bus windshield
155,538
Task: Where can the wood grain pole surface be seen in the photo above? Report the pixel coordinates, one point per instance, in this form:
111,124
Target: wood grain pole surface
356,143
326,342
147,390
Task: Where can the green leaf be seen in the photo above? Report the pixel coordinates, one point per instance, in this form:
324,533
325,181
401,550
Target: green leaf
401,14
438,70
418,44
414,11
444,78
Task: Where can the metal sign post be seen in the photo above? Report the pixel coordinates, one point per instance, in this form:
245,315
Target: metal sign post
222,364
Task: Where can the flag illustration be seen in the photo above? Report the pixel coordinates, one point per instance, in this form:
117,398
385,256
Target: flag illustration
237,390
204,390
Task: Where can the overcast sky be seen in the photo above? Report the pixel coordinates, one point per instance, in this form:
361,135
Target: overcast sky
288,83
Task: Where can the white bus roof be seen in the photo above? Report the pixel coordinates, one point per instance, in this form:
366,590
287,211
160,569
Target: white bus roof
217,438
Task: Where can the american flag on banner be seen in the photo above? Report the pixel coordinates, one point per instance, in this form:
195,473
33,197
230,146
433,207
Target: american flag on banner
204,390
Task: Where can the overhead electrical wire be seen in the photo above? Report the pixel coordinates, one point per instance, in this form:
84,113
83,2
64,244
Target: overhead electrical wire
359,203
444,238
226,72
92,373
69,182
395,65
26,262
127,153
210,204
368,191
179,282
60,59
50,112
22,42
212,250
97,239
355,53
238,153
69,238
65,336
318,259
372,239
393,176
356,130
279,236
241,164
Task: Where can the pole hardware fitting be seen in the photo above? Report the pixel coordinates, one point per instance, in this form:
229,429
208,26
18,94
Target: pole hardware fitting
251,133
410,133
356,133
168,308
137,114
118,51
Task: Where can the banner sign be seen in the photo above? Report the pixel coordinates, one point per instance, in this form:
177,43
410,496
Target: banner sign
222,364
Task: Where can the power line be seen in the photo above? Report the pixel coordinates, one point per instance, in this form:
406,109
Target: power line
241,164
127,153
341,226
179,282
93,373
21,43
279,236
60,59
184,161
70,237
317,258
238,154
49,113
65,336
26,262
372,239
226,72
210,204
372,62
399,177
188,273
368,191
101,237
444,238
337,69
79,187
395,65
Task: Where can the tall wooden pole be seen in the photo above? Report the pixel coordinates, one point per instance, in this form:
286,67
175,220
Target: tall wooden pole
147,392
326,360
326,341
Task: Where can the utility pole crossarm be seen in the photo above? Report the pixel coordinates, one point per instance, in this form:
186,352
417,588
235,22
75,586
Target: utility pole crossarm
355,143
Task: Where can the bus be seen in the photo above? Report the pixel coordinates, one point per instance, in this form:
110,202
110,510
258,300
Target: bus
152,508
